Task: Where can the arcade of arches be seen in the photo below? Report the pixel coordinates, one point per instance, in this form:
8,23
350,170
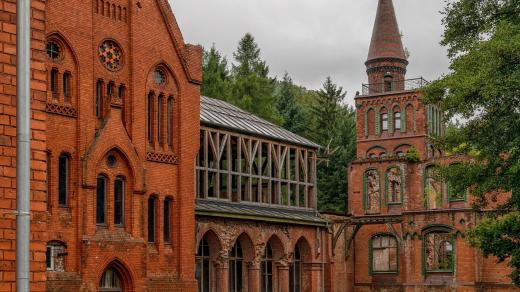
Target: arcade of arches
246,256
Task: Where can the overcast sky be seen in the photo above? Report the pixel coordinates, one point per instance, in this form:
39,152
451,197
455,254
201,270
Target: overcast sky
312,39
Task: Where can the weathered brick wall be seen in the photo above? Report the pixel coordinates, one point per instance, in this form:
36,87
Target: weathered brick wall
8,145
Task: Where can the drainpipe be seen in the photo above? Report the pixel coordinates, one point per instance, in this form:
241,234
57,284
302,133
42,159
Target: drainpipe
23,144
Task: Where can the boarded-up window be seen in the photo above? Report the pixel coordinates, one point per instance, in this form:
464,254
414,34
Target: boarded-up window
384,254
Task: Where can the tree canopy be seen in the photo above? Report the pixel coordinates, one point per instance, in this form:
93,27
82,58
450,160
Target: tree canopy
483,91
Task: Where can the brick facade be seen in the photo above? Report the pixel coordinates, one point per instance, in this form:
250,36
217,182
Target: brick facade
407,227
77,126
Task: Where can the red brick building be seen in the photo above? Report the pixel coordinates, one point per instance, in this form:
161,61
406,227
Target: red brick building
115,115
407,227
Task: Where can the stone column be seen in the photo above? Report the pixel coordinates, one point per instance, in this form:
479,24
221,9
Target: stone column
222,267
254,277
283,277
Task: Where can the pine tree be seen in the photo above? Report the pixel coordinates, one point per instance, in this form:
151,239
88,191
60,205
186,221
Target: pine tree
253,90
293,116
215,75
326,110
334,128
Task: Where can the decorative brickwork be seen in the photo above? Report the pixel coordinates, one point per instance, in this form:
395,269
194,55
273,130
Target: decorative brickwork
61,109
162,157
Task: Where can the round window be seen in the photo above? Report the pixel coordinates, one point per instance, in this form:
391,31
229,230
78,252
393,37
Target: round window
53,50
111,160
110,55
159,77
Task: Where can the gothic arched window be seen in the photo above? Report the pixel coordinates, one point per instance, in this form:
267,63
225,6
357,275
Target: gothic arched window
394,186
432,188
110,281
372,192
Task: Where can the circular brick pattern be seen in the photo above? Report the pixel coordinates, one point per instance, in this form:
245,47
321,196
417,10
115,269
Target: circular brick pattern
110,55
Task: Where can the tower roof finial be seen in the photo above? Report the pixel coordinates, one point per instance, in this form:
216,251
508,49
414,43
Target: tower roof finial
386,38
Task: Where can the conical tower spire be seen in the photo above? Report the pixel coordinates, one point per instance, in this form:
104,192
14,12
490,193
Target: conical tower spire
386,38
386,57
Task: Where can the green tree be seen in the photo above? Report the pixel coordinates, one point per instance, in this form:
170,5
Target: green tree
215,75
483,88
293,116
334,128
326,110
253,89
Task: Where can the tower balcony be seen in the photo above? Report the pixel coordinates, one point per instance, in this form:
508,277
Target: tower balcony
389,86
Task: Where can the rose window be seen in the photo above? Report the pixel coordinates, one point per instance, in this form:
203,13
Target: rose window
110,55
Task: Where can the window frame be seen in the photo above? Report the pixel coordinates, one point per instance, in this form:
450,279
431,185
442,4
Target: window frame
54,247
452,241
67,87
384,122
105,181
371,255
167,221
365,191
98,105
151,224
387,195
63,195
122,204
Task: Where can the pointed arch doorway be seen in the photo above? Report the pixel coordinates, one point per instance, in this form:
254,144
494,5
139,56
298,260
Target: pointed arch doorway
115,278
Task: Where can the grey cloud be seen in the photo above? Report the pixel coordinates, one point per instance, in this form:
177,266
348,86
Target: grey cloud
312,39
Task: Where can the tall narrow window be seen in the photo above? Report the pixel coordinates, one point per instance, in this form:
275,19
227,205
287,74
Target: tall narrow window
121,94
101,190
167,221
150,117
119,197
397,121
235,268
267,269
54,83
203,267
384,122
99,98
151,219
110,89
159,118
295,271
63,179
169,122
66,86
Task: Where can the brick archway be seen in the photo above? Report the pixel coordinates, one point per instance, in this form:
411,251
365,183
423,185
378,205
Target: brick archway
123,283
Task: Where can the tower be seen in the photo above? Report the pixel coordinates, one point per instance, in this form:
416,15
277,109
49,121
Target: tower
386,62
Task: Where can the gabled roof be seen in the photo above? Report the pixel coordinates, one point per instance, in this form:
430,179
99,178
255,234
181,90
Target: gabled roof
386,38
220,114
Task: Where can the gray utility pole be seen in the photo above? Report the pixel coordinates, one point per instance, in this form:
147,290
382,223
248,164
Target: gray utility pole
23,142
